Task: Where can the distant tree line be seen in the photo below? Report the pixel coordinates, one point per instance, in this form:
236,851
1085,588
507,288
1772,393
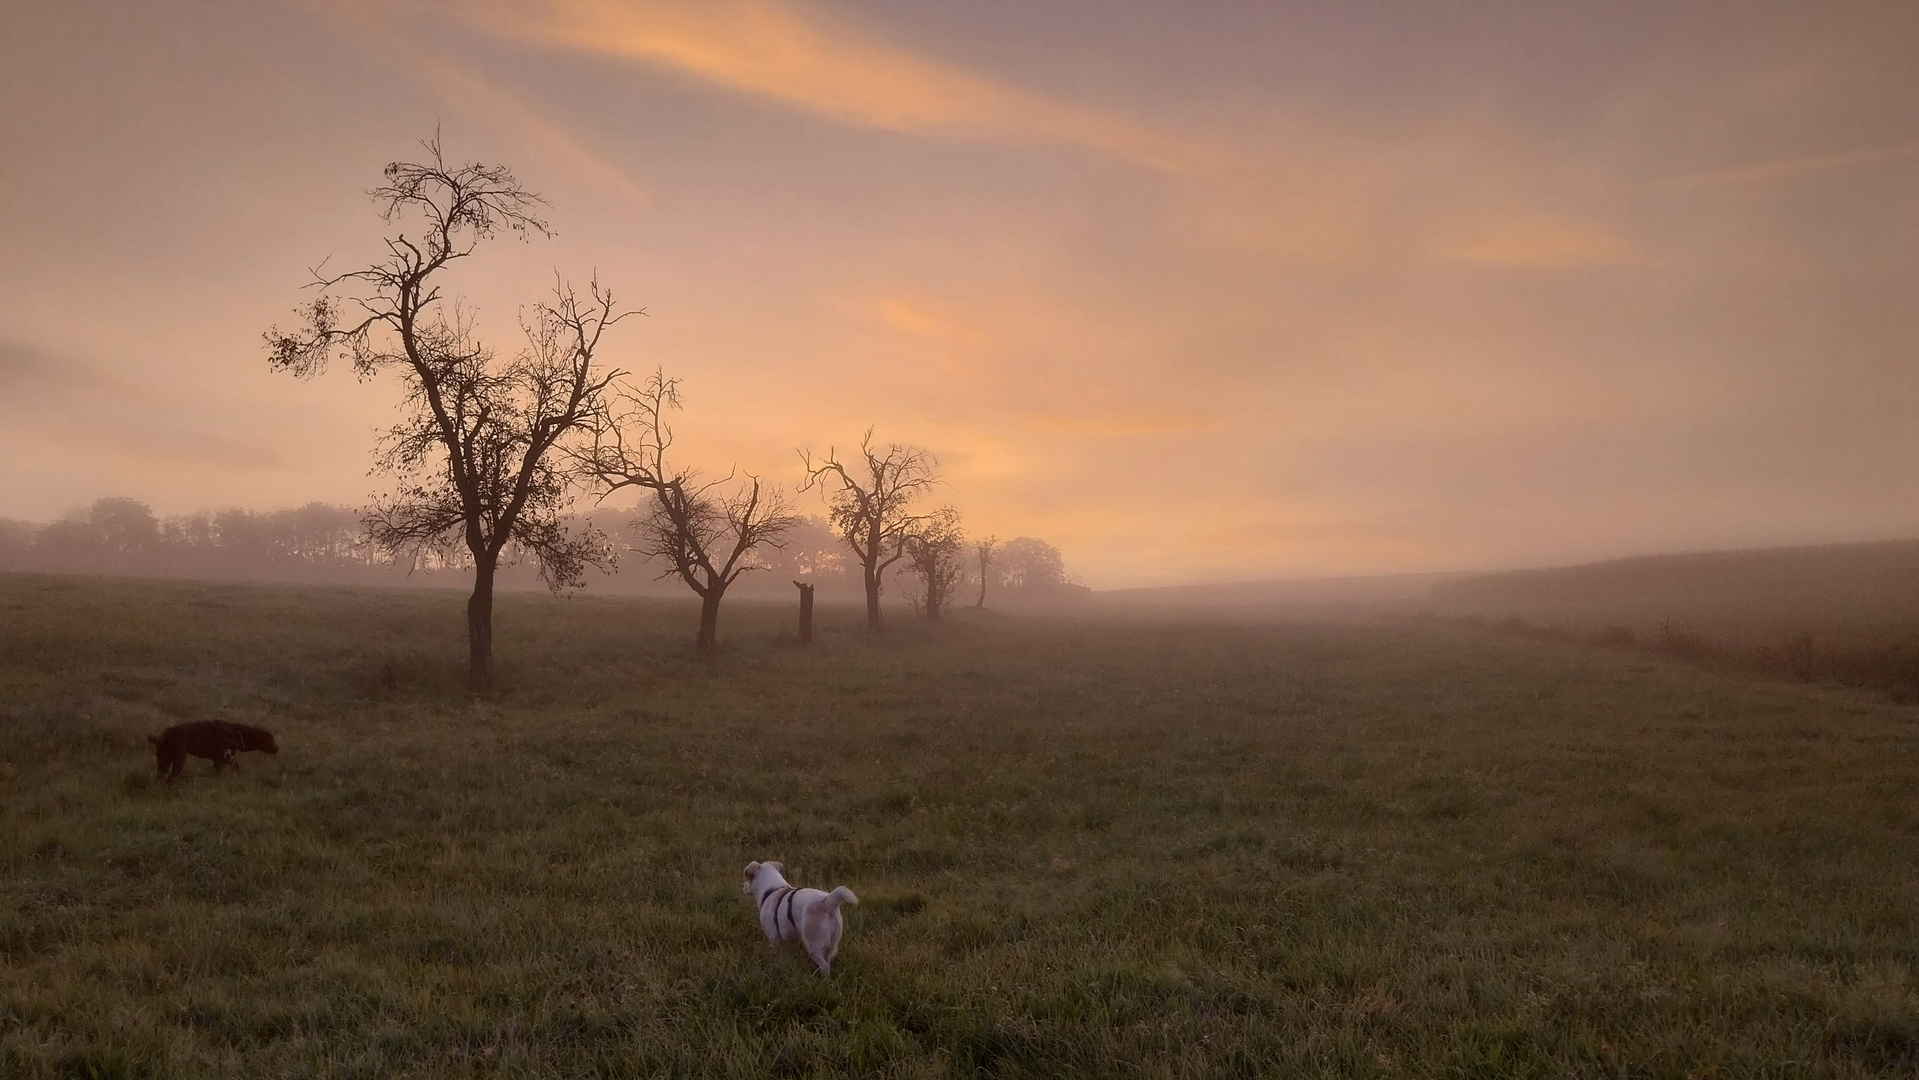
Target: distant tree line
316,542
324,543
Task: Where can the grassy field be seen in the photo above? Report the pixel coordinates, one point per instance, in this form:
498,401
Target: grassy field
1110,845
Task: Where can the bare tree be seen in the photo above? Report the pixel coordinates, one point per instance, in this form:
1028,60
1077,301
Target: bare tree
985,550
475,454
935,551
869,506
705,534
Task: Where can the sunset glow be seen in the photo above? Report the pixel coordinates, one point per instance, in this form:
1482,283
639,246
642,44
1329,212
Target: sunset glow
1211,293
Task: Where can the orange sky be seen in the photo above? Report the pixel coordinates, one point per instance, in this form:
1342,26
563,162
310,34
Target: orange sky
1197,292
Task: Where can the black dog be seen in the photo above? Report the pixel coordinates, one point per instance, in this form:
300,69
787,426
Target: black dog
215,740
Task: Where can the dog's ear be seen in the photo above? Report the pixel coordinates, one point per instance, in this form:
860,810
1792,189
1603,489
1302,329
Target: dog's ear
751,869
780,866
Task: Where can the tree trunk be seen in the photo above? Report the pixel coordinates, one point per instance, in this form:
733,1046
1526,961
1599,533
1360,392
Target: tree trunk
872,599
933,591
982,588
806,613
710,618
479,625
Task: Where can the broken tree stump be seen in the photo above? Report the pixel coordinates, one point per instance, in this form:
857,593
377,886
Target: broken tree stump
806,612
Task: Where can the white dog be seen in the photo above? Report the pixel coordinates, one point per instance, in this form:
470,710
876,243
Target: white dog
789,913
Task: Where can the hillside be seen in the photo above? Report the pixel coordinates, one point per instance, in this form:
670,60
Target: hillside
1855,591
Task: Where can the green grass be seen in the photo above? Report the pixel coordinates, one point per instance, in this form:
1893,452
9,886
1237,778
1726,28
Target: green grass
1102,846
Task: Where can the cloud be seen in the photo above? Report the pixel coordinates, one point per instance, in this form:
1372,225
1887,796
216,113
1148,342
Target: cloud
770,50
1120,425
54,401
376,32
27,372
918,319
1788,167
36,382
1539,243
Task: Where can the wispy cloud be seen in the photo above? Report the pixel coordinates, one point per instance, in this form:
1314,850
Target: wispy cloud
66,403
459,86
1120,425
770,50
1539,243
921,320
1788,167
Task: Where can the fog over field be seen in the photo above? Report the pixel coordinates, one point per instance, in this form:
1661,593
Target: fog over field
1169,540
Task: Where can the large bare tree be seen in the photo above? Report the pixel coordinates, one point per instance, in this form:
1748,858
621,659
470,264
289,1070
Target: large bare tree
935,553
705,531
475,454
870,505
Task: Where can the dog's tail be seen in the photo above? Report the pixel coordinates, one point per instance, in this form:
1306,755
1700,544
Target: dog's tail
842,895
